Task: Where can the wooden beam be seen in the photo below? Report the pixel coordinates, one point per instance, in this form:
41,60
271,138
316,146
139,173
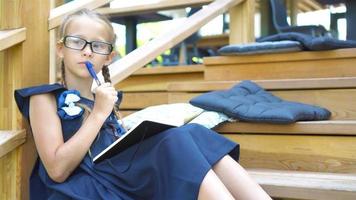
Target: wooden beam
10,140
9,38
125,8
56,15
304,8
143,55
314,5
306,185
242,20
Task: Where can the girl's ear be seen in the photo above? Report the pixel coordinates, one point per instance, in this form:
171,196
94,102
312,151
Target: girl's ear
59,49
110,57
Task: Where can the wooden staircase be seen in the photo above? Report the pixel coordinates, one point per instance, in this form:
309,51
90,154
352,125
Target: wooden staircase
305,160
24,62
317,155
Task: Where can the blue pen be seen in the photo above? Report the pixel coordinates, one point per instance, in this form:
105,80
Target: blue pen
92,73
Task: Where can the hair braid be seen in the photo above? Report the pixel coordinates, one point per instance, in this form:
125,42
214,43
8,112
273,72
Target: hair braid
106,74
63,74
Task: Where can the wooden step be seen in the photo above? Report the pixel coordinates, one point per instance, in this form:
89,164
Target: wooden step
327,127
306,185
316,153
305,64
140,100
338,101
9,140
335,94
278,84
9,38
158,78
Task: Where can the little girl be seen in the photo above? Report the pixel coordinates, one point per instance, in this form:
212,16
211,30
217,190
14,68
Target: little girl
71,125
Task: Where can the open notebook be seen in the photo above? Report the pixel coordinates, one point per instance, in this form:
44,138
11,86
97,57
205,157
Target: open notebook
136,134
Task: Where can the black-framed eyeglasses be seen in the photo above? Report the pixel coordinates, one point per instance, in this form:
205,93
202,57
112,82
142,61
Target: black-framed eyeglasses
77,43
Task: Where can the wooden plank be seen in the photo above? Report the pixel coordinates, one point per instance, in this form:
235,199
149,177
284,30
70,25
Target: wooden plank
155,82
143,99
10,78
307,83
169,70
157,78
283,70
57,14
328,127
315,153
314,5
8,173
339,101
125,8
144,54
9,140
212,41
242,20
35,15
7,9
279,57
306,185
52,49
9,38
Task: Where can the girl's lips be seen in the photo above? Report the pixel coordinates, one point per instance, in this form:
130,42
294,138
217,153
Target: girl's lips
82,63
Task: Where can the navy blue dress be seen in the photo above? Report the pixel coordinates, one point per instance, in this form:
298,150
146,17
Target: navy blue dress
170,165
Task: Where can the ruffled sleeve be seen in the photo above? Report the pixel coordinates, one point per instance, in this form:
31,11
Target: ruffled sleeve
22,96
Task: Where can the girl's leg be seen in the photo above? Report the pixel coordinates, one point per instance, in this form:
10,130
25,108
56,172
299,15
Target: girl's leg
237,180
213,189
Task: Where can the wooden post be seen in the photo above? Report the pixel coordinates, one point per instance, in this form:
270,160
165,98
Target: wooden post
242,22
292,6
267,27
35,70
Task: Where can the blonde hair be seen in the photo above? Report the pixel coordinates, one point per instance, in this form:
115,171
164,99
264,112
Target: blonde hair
92,15
105,69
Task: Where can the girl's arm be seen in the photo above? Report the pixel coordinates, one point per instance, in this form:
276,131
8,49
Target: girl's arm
60,158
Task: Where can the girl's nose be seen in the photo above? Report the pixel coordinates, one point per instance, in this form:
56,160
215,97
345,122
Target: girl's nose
87,51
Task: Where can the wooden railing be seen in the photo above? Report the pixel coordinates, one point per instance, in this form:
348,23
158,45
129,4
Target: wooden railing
124,67
56,14
9,38
241,28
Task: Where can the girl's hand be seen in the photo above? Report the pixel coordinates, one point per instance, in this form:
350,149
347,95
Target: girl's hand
105,99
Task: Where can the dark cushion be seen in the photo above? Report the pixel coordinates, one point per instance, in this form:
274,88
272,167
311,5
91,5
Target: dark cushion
311,43
260,48
249,102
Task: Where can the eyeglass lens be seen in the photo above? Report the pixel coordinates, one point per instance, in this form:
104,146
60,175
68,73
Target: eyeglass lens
79,44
